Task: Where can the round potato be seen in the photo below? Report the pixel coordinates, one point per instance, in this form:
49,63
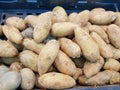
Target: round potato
56,80
28,79
16,22
3,69
16,66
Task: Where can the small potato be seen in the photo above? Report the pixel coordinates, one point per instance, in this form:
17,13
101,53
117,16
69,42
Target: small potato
12,34
30,44
59,15
10,81
117,21
112,64
87,43
3,69
99,31
64,64
28,79
114,35
29,59
101,17
82,80
42,28
56,80
70,48
62,29
1,31
91,69
105,50
27,33
47,56
16,66
7,49
16,22
82,18
78,73
31,20
72,16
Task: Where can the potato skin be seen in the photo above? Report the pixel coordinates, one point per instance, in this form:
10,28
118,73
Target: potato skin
114,35
3,69
78,73
70,48
12,34
62,29
72,16
7,49
117,20
87,43
29,59
10,81
56,80
112,64
82,80
1,31
16,22
105,50
28,79
16,66
64,64
30,44
47,56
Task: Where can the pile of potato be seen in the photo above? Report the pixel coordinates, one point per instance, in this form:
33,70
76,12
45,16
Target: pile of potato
56,51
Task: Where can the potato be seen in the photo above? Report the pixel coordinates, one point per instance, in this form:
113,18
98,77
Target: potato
91,69
30,44
78,73
28,79
114,35
31,20
7,49
62,29
16,66
29,59
112,64
82,80
47,56
116,52
1,31
101,17
72,16
82,18
42,28
3,69
12,34
99,31
59,14
64,64
104,27
56,80
16,22
70,48
10,81
117,21
87,43
27,33
105,50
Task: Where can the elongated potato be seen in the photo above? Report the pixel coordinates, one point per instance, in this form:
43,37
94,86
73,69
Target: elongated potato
82,18
3,69
10,81
30,44
42,28
12,34
112,64
99,31
70,48
28,79
59,14
47,56
16,66
87,43
105,50
117,20
27,33
62,29
91,69
72,16
1,31
7,49
31,20
78,73
29,59
64,64
56,80
102,17
16,22
114,35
